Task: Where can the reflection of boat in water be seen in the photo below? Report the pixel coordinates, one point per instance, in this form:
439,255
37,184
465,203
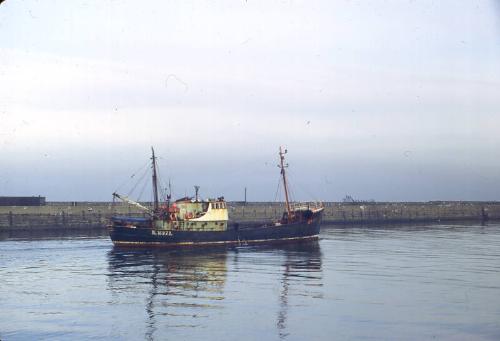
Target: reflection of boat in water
194,222
302,265
179,287
195,268
191,289
189,270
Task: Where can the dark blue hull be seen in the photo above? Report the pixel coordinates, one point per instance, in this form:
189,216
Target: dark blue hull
235,234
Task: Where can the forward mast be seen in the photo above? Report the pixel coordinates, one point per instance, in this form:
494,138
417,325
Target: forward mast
156,204
282,166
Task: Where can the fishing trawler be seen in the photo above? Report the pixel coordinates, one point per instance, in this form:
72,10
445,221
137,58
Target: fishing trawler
194,222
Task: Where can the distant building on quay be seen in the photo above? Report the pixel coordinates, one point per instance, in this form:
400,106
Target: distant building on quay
22,201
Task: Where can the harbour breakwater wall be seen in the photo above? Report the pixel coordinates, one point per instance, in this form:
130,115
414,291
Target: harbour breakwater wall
382,212
94,215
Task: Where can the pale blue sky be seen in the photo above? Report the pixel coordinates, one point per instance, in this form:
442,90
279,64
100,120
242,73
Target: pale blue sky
390,100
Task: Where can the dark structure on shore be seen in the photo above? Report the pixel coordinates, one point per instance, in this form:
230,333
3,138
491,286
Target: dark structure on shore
22,201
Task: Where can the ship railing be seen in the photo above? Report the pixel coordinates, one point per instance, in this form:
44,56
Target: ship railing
312,205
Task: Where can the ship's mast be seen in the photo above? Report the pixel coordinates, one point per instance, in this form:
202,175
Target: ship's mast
282,166
155,182
169,195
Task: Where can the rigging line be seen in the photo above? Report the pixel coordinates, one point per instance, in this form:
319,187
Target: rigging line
132,176
163,189
158,183
142,191
291,188
168,187
278,189
163,198
151,200
141,179
308,193
291,191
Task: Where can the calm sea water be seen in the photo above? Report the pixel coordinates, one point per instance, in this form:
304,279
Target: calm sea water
394,283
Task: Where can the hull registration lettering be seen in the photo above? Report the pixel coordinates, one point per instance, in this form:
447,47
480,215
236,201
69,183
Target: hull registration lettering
161,233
